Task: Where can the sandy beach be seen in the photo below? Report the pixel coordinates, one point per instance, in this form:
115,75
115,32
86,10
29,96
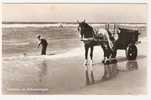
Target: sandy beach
64,73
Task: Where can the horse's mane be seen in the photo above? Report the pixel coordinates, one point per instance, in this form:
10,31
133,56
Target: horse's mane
87,26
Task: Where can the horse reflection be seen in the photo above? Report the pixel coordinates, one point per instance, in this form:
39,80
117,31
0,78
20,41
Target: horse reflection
110,71
89,72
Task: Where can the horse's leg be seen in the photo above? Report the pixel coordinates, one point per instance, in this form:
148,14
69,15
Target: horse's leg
86,54
91,55
113,56
106,57
107,53
103,45
110,52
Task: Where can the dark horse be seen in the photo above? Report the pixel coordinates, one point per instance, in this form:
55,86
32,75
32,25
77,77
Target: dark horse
91,38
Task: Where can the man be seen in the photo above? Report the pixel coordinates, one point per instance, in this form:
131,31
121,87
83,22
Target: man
43,44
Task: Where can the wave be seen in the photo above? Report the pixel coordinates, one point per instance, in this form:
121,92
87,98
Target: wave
71,53
16,43
34,25
55,55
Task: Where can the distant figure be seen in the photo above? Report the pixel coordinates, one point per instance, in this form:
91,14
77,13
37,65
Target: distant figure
43,44
60,26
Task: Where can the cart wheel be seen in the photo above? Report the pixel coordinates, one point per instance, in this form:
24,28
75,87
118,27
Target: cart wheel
131,52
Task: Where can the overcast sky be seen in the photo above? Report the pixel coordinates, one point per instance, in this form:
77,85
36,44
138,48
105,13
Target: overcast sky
72,12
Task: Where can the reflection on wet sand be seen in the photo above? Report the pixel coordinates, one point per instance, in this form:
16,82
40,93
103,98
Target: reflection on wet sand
129,66
89,74
110,71
43,70
65,79
132,65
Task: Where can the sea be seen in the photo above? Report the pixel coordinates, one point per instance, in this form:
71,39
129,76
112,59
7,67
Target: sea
20,39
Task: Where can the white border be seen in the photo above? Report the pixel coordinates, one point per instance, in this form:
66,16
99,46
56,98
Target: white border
75,1
149,48
88,97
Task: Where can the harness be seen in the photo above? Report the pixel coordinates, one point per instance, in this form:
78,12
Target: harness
100,36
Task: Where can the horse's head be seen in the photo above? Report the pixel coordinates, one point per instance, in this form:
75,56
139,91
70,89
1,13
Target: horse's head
85,29
81,26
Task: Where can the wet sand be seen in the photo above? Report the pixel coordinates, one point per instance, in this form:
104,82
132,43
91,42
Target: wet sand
65,74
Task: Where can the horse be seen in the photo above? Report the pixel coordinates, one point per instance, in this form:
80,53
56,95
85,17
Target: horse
91,38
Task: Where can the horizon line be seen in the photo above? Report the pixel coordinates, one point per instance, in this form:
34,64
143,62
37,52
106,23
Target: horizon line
66,22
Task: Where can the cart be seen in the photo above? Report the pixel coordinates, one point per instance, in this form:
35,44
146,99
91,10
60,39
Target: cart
127,40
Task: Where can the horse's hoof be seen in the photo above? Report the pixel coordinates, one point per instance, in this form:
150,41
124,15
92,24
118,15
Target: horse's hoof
103,61
91,62
86,63
107,62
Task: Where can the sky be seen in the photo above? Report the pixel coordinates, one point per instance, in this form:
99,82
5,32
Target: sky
136,13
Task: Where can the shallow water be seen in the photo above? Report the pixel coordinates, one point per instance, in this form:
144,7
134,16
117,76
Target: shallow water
17,41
